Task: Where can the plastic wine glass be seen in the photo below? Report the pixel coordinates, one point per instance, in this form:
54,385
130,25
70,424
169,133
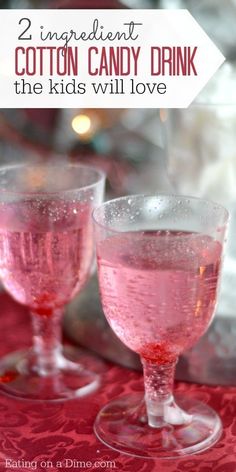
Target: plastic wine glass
46,256
159,261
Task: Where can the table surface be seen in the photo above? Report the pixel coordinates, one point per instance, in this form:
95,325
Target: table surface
56,432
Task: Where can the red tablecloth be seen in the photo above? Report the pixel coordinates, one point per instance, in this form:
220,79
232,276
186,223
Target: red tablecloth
55,432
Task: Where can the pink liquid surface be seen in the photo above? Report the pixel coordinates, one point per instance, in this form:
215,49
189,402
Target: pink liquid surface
46,251
158,289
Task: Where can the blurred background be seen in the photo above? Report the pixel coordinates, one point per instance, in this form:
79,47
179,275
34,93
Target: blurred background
187,151
130,145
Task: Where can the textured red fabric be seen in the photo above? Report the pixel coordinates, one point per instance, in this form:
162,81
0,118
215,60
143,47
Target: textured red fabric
59,431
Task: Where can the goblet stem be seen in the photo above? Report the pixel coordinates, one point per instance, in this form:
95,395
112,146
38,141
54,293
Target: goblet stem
160,405
47,345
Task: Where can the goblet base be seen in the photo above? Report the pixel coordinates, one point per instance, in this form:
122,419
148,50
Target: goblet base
122,425
20,377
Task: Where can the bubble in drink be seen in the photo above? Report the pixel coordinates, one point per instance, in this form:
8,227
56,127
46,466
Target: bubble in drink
46,251
158,289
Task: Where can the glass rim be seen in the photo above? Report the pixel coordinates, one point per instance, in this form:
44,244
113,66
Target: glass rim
220,207
101,176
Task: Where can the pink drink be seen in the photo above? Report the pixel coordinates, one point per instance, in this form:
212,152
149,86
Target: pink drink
158,289
46,251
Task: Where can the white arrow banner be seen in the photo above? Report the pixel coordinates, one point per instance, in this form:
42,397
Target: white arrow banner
103,58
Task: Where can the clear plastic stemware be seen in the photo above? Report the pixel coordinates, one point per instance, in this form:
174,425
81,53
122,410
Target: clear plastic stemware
46,256
159,261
